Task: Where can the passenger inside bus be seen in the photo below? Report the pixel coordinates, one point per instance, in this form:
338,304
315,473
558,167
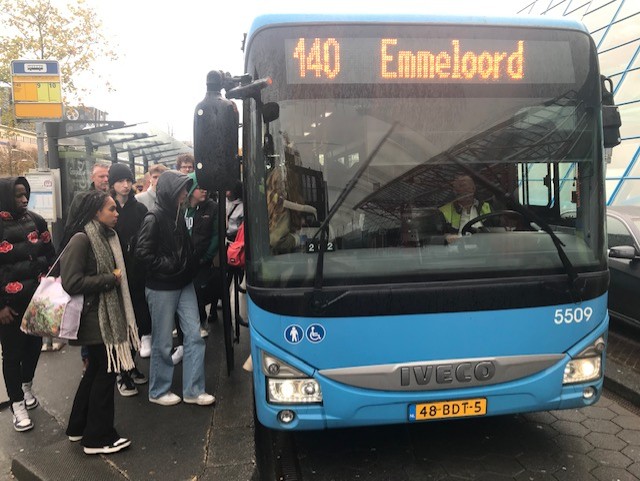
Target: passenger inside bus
286,210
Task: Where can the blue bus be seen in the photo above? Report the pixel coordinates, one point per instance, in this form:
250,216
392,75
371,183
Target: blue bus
424,222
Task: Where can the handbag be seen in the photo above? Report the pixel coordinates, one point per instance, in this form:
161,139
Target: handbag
52,312
235,251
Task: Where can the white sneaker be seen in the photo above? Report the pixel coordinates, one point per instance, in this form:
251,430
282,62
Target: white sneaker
21,420
203,399
145,346
119,445
30,400
174,333
168,399
204,332
176,357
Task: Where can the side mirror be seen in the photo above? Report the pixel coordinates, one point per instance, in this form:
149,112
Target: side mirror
270,112
623,252
611,121
215,143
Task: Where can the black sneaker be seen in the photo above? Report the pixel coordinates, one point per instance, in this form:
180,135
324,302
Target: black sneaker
126,386
137,376
21,420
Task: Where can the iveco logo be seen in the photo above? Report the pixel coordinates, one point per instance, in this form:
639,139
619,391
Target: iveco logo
453,373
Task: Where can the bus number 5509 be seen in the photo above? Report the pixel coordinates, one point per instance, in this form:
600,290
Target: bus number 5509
577,315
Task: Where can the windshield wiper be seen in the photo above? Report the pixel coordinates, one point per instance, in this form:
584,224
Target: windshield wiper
512,203
323,230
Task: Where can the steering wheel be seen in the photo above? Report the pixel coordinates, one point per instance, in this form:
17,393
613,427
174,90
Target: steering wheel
468,227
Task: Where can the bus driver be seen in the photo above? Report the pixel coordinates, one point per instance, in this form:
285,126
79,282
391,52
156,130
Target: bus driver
463,207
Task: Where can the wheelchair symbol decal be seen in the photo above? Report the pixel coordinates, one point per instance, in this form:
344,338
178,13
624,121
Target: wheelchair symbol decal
315,333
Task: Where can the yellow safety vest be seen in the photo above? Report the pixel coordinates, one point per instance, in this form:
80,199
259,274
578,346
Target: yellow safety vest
452,212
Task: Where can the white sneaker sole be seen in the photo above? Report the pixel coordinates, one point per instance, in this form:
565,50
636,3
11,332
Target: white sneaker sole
162,402
22,429
75,439
117,446
198,402
128,393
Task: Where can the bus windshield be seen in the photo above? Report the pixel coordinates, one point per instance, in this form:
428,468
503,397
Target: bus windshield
417,173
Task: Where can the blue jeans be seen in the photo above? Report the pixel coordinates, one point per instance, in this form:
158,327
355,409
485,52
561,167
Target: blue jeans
163,306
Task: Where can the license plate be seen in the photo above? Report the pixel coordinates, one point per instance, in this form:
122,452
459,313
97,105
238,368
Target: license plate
460,408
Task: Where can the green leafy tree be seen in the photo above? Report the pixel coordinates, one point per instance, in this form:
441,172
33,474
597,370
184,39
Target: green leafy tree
40,29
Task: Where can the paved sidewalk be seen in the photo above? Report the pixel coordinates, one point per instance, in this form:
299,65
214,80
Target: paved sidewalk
183,442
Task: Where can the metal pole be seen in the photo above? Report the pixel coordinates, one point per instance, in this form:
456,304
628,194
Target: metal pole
42,163
226,301
53,134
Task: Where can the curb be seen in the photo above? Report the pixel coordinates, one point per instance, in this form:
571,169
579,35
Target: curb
623,381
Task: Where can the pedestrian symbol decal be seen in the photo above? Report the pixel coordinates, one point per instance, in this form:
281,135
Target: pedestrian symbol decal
315,333
293,334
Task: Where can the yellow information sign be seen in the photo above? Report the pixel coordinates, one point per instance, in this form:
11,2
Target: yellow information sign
36,89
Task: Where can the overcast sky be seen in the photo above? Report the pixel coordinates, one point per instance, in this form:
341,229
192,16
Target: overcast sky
167,48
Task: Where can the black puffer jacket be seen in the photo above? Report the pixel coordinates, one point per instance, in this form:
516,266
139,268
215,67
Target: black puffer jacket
26,250
164,246
130,217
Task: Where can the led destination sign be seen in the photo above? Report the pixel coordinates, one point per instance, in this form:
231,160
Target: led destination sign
427,60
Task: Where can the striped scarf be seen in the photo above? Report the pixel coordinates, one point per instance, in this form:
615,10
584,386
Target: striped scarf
115,310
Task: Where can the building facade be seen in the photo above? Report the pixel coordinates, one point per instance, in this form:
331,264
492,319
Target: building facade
615,28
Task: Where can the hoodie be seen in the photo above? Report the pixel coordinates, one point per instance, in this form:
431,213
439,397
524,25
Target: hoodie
202,224
26,250
164,246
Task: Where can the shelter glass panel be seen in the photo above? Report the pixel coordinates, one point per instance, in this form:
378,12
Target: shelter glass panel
621,156
620,33
596,19
610,187
617,60
597,4
630,114
629,193
628,90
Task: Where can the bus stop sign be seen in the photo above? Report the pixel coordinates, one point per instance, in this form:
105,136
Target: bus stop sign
36,89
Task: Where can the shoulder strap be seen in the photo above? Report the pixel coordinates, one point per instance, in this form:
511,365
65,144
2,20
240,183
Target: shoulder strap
232,211
60,256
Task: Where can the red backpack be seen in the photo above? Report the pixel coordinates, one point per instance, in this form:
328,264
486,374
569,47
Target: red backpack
235,251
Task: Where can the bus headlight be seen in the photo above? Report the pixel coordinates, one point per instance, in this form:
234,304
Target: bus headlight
288,385
582,370
294,391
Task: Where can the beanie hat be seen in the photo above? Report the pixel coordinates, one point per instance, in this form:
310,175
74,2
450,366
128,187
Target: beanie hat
119,172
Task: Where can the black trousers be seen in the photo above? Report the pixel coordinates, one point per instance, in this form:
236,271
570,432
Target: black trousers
92,415
20,354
